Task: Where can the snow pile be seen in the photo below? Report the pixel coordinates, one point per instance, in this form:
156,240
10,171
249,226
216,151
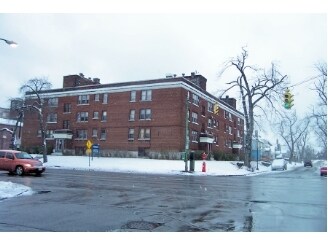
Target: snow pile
9,189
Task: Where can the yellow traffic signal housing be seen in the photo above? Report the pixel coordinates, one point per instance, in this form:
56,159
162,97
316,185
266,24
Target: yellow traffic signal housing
288,99
216,109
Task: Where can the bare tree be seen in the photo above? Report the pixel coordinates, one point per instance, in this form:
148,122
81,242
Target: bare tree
320,110
291,130
254,85
32,88
301,144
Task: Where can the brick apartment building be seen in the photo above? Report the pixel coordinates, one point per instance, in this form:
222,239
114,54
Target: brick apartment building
139,118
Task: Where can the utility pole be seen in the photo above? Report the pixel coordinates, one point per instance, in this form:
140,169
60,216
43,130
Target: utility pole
187,135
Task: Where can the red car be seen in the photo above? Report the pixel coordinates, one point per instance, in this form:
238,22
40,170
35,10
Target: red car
19,162
323,171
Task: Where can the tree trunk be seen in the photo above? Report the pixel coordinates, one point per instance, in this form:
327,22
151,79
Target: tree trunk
43,136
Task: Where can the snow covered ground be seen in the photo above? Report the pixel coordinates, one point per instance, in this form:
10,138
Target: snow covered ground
136,165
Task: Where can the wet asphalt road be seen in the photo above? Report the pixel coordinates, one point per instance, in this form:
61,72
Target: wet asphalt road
71,200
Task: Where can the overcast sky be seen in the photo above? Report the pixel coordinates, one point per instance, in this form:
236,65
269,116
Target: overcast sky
137,45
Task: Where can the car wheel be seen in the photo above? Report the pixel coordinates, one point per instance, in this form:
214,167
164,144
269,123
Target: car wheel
19,170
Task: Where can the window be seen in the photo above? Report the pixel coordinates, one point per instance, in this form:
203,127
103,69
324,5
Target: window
10,156
66,124
228,129
83,99
103,134
67,107
132,115
194,136
203,128
95,115
228,143
238,133
238,121
145,114
195,99
50,134
53,102
105,98
216,140
82,117
146,95
194,117
131,134
52,118
210,107
210,123
144,134
227,115
96,97
133,96
94,132
104,116
203,110
81,134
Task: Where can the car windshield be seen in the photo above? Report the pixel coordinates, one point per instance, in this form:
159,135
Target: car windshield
23,155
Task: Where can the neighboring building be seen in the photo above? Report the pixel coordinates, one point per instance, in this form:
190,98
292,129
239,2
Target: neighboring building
141,118
8,120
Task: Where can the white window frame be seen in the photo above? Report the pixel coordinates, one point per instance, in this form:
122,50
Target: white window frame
132,115
133,96
83,99
146,95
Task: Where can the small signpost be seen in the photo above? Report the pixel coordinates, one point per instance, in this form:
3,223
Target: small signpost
88,151
95,150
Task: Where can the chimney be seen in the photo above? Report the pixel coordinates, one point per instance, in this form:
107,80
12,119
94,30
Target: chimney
96,80
231,101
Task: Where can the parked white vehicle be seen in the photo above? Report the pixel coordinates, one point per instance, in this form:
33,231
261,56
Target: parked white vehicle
279,164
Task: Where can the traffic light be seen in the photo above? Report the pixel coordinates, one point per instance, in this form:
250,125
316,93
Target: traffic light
288,99
216,109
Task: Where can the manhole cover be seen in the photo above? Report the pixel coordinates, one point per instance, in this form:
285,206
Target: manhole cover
141,225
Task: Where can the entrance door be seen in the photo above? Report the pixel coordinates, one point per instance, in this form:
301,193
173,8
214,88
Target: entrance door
59,145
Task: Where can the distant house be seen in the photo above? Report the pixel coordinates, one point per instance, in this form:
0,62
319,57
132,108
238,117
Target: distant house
261,150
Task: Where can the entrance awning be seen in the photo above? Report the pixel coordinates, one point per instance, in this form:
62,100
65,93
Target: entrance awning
63,134
237,146
206,138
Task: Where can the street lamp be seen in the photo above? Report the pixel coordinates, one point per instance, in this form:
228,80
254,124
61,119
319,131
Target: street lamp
11,43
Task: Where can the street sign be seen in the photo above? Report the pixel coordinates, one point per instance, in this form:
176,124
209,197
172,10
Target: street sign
95,150
88,144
